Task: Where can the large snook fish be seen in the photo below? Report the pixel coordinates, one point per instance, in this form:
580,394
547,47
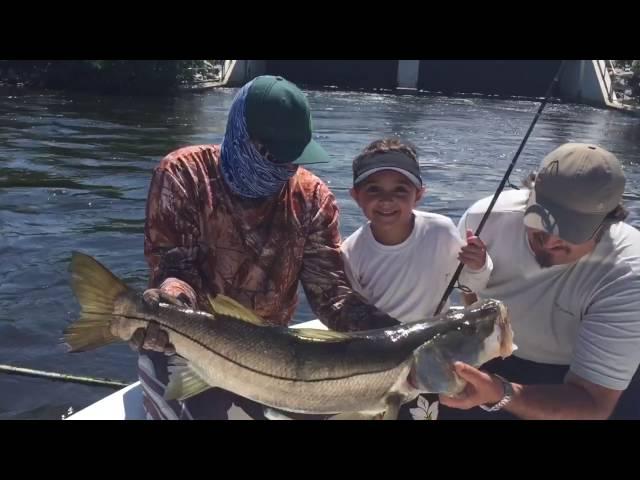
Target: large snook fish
347,375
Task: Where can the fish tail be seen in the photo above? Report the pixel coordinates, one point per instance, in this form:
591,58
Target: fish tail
96,289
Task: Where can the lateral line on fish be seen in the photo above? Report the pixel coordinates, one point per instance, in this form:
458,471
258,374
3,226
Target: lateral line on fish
196,341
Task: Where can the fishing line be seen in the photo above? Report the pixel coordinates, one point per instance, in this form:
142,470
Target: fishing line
504,181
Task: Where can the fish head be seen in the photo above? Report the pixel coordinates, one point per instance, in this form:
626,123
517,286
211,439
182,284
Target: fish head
487,320
473,335
505,336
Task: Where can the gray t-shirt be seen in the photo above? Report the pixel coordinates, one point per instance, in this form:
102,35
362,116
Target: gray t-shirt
585,314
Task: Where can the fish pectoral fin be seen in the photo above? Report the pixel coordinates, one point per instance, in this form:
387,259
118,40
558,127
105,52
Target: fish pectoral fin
394,402
223,305
184,380
317,335
273,414
355,416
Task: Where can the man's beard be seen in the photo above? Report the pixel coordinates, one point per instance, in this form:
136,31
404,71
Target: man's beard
543,259
542,255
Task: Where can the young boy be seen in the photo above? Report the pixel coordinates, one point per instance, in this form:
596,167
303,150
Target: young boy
402,260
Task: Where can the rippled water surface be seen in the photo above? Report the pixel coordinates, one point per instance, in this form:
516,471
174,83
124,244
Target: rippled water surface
75,168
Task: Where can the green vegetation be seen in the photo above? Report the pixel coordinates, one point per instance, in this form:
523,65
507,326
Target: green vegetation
635,80
629,79
106,76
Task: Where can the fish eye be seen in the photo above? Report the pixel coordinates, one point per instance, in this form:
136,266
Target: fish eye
466,329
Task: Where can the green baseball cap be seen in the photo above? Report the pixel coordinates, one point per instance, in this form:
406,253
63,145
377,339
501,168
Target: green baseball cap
278,115
577,186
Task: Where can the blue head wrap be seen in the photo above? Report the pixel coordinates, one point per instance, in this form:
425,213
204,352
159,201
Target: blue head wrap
244,169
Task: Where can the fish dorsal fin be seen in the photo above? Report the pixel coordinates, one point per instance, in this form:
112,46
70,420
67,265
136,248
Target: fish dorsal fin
223,305
184,380
317,335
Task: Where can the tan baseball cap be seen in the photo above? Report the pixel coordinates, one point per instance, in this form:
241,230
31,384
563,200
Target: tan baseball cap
577,186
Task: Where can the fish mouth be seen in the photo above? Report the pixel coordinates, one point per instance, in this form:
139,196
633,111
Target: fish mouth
411,379
505,335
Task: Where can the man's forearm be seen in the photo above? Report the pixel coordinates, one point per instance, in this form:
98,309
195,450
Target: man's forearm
355,314
554,402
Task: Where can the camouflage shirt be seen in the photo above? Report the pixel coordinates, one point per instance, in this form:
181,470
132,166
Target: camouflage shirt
202,239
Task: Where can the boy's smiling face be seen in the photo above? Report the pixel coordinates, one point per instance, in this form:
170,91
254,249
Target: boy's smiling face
387,198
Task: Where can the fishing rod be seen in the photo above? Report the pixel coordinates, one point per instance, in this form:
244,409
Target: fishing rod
456,275
62,377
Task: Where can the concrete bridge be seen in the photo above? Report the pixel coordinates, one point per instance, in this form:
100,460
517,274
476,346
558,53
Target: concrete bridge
582,81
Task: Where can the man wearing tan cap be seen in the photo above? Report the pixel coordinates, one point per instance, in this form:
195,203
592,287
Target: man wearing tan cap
568,268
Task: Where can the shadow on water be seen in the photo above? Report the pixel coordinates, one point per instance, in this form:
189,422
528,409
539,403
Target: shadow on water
75,169
34,179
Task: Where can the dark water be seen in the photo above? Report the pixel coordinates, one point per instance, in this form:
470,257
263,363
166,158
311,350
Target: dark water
74,172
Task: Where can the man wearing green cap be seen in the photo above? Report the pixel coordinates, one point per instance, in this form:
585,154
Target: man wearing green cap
243,219
568,268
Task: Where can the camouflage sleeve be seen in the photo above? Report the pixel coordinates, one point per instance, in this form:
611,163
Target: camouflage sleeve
171,234
323,275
